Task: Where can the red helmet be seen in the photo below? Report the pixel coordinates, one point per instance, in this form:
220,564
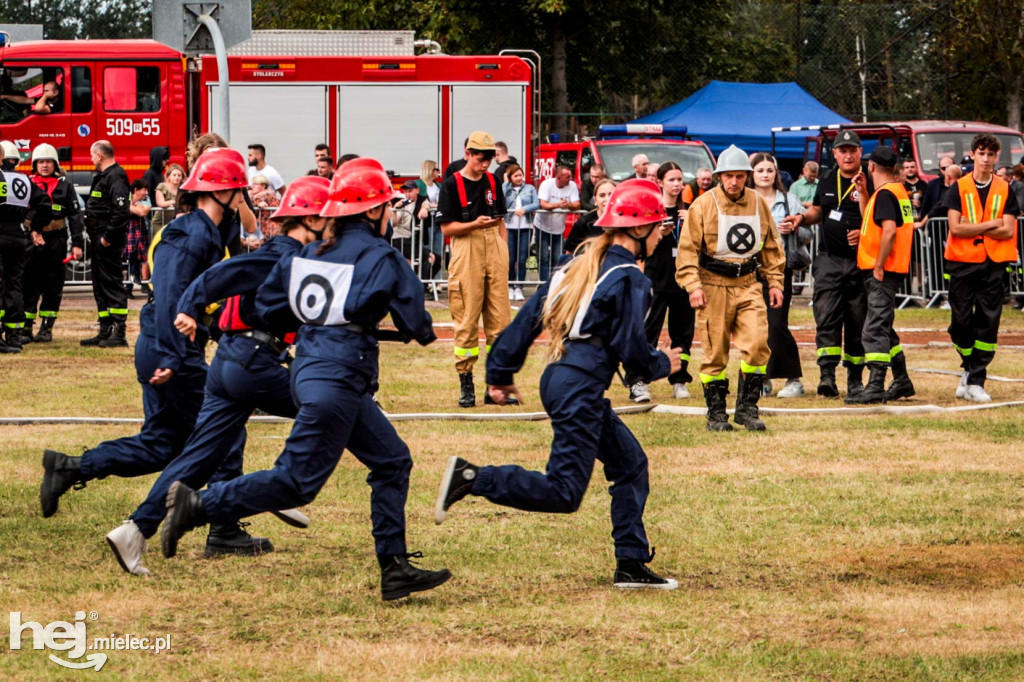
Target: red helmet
358,186
633,203
217,169
305,196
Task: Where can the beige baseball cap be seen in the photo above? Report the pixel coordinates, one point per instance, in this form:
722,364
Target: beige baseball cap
480,141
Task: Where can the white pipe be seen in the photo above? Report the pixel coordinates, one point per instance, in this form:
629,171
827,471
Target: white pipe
222,73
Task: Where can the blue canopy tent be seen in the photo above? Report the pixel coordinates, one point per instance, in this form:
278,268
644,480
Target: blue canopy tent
743,114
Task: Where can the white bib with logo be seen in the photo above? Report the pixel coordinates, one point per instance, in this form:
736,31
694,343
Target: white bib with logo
15,189
739,236
317,291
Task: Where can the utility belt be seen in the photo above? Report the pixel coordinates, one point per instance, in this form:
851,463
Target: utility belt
58,224
269,340
727,268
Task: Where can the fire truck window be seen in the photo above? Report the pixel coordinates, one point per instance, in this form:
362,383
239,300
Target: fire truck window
586,159
21,87
568,159
81,90
129,88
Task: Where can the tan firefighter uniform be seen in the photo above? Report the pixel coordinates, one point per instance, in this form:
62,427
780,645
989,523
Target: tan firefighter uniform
477,285
723,234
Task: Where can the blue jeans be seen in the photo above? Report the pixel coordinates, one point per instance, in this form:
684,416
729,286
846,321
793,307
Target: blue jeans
548,252
585,429
518,252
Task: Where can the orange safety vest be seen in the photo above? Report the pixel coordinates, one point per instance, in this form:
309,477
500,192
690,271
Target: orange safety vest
976,249
871,233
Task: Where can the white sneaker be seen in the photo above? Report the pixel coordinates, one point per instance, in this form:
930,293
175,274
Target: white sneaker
519,294
961,389
640,392
977,394
511,294
128,545
293,517
680,391
794,388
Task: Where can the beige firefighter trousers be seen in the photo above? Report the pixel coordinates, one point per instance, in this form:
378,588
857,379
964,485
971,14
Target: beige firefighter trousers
477,285
738,312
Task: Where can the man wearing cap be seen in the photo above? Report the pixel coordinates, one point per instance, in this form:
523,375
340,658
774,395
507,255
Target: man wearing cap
883,258
839,303
729,235
471,210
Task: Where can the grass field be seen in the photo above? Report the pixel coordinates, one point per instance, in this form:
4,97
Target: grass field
830,548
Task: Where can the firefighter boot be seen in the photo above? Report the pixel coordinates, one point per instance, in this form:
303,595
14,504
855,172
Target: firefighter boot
467,397
118,334
854,379
748,392
233,538
874,392
106,326
714,395
827,384
12,337
60,472
4,348
45,334
26,332
399,578
185,511
901,386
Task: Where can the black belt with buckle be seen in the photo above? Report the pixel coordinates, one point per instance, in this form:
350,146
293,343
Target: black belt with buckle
727,268
274,343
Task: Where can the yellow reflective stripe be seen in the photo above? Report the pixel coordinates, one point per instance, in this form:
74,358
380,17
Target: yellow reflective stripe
752,369
997,200
853,359
963,351
877,357
47,313
96,193
103,313
30,316
708,378
463,352
684,357
3,189
895,350
487,349
830,350
972,209
981,345
118,311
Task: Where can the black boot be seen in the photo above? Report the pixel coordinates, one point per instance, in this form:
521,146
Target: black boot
45,334
118,334
26,332
854,379
12,337
901,386
714,395
748,392
827,384
232,538
399,578
60,473
185,511
874,392
106,326
5,349
467,397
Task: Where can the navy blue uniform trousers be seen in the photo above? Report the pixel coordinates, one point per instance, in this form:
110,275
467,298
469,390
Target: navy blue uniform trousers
171,410
585,428
243,376
335,412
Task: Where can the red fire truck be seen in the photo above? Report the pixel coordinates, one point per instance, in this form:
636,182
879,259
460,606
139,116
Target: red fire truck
289,91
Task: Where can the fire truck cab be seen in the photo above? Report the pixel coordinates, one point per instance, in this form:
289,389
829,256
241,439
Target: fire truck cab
289,91
615,146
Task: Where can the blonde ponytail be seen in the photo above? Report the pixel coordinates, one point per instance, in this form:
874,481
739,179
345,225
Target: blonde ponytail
577,285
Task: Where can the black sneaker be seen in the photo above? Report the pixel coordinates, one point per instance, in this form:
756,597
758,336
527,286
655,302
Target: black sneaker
184,512
399,578
632,574
640,392
510,400
456,483
60,473
232,538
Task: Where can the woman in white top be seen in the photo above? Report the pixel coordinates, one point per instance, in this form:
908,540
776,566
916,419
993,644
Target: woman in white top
785,360
429,188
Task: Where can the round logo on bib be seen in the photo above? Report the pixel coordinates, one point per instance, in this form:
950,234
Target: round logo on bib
314,298
741,238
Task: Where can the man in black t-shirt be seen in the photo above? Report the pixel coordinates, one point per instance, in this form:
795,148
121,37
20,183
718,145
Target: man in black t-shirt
916,187
471,211
982,241
839,304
